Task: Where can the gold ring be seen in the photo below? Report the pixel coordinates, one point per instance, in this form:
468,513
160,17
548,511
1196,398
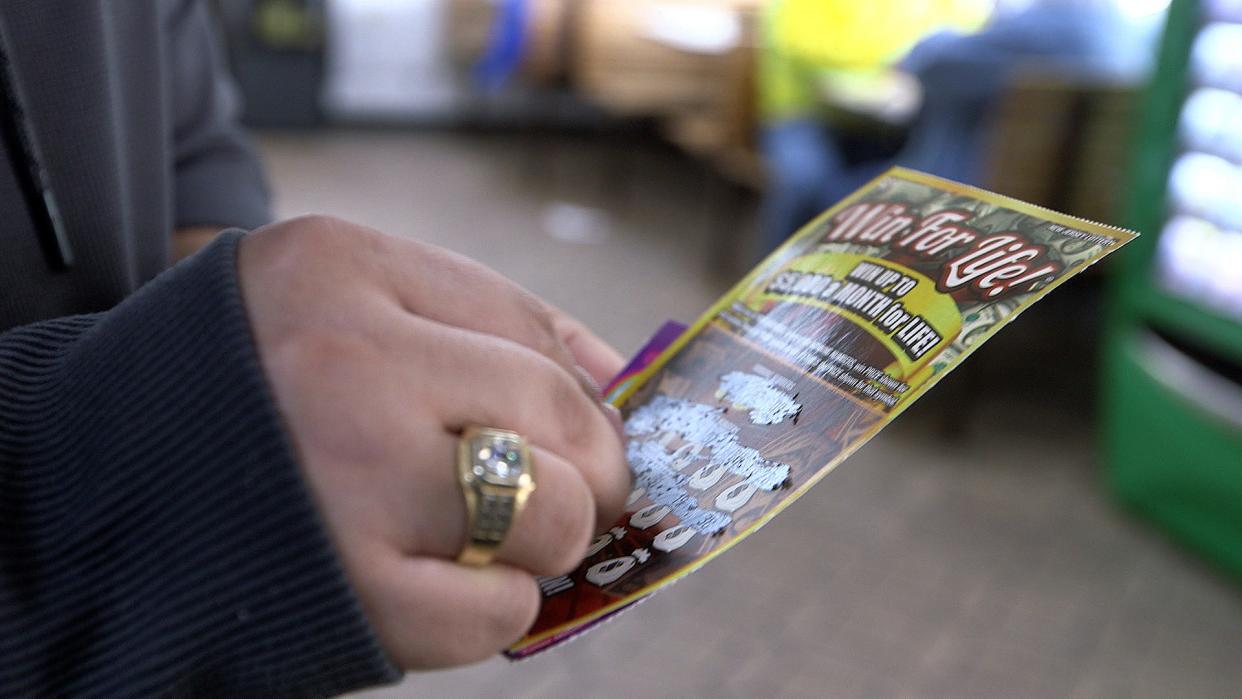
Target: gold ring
497,476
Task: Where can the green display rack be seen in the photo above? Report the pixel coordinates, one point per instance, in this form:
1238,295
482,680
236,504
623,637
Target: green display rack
1172,412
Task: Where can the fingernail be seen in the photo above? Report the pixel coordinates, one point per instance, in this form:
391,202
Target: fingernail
614,417
588,383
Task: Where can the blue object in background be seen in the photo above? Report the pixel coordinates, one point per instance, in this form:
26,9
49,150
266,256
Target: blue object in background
503,57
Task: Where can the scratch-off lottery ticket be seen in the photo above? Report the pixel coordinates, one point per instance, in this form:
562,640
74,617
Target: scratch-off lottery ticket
808,357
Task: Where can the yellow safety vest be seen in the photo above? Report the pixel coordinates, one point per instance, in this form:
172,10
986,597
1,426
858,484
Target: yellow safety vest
804,39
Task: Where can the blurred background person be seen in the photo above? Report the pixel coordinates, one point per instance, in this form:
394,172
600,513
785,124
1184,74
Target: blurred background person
819,58
910,89
964,77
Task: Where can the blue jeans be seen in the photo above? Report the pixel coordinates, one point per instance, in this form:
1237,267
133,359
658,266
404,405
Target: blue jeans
808,171
802,161
811,168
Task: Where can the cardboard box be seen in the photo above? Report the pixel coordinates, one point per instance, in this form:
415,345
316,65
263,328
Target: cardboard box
628,56
548,40
470,29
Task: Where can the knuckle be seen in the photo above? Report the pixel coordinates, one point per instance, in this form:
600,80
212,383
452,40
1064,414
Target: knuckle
533,323
543,339
462,272
538,314
572,410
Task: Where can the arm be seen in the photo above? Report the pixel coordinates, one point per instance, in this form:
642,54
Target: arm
144,553
158,534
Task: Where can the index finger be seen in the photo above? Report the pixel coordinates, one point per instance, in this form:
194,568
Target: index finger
597,357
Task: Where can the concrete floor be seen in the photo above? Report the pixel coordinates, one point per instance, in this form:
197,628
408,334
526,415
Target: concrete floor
989,564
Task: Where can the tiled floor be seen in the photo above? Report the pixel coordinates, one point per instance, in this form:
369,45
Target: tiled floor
989,564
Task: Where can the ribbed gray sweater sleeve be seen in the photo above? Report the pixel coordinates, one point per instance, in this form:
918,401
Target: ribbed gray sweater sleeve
156,535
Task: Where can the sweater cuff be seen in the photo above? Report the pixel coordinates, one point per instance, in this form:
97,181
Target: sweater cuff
195,530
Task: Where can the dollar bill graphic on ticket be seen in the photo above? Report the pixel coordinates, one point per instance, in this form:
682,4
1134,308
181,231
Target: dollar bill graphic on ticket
808,357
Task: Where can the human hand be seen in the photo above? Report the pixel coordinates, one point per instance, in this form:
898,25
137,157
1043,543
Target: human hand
380,351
